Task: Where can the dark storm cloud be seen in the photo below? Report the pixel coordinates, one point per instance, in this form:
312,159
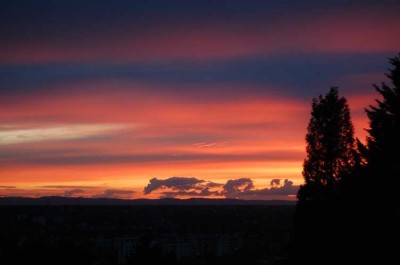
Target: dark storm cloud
115,194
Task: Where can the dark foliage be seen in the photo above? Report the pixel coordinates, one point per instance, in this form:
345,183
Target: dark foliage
383,143
330,146
330,159
378,179
351,215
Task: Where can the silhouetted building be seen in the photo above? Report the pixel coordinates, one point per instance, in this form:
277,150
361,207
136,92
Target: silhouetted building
126,247
227,244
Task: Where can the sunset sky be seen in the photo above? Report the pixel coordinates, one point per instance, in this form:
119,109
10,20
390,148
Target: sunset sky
149,99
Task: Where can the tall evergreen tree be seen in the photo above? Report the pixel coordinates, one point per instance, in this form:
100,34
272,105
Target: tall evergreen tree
319,221
332,229
377,181
330,145
382,152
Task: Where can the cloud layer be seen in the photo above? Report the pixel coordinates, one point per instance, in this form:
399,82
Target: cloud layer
117,91
242,188
115,194
156,32
182,186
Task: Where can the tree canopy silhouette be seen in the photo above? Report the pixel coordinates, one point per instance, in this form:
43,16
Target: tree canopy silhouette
331,157
383,143
330,145
346,192
380,174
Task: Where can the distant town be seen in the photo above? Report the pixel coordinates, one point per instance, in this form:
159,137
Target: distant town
145,234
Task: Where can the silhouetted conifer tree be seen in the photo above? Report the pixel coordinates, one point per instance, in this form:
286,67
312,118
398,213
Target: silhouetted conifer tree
382,152
331,157
330,146
348,211
378,180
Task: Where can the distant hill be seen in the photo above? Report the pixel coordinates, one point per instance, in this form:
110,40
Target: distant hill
105,202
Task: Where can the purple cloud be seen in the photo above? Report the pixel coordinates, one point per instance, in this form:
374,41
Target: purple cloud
236,186
242,188
287,189
115,194
275,182
203,193
70,193
181,185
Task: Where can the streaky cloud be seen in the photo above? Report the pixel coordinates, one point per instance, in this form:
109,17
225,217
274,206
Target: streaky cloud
70,193
115,194
56,132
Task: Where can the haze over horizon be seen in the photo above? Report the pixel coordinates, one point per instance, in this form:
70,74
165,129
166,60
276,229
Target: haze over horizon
150,99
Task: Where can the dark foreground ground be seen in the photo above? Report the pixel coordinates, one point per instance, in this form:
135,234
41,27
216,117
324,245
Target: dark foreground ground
180,234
